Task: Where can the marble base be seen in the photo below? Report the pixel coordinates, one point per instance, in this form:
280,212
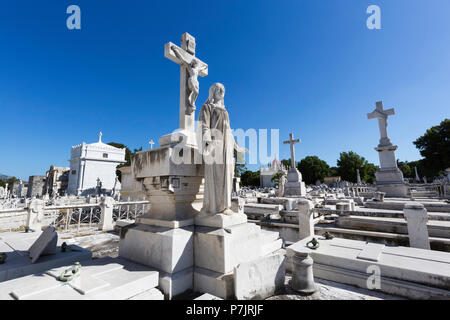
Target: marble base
294,185
168,250
220,220
215,283
220,250
173,284
165,249
394,190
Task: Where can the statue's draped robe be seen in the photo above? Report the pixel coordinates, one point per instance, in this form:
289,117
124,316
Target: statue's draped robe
219,166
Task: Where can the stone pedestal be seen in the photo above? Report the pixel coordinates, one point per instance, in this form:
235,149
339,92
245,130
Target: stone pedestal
417,218
302,273
390,178
163,237
294,185
222,243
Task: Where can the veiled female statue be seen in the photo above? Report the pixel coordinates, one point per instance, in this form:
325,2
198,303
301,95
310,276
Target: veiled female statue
218,153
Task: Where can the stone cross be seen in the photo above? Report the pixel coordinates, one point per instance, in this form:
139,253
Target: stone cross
382,115
151,142
292,142
100,134
187,53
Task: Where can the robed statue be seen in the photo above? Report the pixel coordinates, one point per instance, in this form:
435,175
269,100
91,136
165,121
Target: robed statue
218,153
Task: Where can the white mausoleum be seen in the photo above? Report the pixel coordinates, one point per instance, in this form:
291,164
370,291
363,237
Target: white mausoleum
266,173
91,164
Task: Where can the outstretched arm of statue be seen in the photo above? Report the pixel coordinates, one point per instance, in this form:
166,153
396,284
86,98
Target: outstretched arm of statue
239,149
178,54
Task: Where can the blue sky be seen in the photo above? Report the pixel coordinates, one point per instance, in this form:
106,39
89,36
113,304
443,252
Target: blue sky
302,66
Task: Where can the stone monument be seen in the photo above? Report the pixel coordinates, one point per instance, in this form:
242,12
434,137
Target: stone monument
389,178
190,233
294,186
171,178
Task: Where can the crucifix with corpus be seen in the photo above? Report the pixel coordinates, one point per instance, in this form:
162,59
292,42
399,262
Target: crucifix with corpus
190,68
292,142
382,115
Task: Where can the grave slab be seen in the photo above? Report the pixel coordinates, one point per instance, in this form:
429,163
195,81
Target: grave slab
99,279
16,245
409,272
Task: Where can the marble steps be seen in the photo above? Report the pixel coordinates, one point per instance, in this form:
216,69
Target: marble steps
386,213
440,229
431,206
393,239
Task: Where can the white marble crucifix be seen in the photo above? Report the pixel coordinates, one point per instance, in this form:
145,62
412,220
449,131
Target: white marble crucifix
151,143
382,115
191,67
292,142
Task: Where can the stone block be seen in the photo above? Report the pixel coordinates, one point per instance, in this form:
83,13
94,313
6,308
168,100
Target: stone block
44,245
165,249
215,283
220,220
261,278
173,284
220,250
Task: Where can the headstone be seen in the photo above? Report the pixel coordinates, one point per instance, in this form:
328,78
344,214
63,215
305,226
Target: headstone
261,278
44,245
305,218
417,217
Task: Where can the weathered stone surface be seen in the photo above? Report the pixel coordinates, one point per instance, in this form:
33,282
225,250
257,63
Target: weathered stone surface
417,218
260,278
168,250
44,245
220,220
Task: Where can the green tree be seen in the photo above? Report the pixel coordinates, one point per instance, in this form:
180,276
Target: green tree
434,146
347,164
276,178
286,163
368,172
128,155
250,178
239,166
313,169
405,168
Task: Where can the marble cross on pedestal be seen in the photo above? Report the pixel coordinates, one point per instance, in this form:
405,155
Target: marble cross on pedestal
292,142
382,115
189,69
